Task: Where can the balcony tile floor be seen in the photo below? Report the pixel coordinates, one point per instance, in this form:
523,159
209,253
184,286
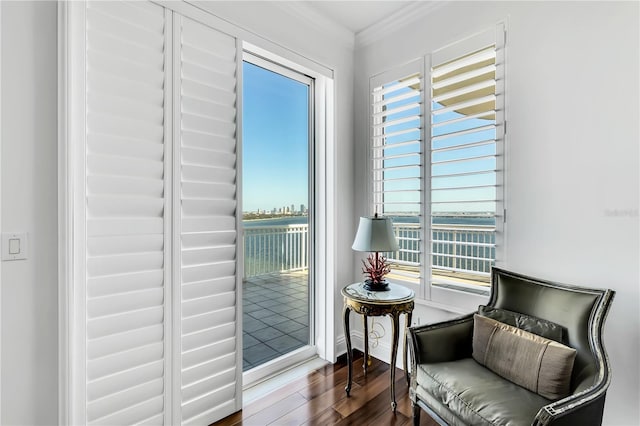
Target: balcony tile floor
275,316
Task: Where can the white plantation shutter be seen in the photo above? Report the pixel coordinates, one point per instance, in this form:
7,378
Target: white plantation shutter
152,318
467,137
207,161
397,152
125,214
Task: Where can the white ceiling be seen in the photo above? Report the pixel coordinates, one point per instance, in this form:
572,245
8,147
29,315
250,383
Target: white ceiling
357,15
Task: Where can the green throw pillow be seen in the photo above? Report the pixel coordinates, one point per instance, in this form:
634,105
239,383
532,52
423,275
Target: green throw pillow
541,365
529,323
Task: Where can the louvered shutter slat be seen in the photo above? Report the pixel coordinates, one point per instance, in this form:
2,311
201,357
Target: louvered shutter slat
133,412
108,387
118,323
113,284
217,372
202,305
121,362
124,87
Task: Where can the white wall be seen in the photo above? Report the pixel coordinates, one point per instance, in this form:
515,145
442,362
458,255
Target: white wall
29,203
572,150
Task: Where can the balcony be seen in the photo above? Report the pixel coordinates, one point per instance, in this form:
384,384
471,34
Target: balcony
276,278
275,292
275,316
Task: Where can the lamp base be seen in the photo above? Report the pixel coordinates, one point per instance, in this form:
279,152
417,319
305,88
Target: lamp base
369,285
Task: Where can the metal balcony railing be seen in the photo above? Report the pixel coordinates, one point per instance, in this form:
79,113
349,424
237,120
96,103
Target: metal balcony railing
463,248
269,249
455,248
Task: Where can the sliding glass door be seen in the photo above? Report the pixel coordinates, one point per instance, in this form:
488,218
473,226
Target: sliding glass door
276,198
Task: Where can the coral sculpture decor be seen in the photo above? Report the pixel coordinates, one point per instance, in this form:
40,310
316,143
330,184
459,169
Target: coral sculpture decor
376,268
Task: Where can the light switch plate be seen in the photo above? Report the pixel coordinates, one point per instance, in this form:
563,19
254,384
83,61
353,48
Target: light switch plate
14,245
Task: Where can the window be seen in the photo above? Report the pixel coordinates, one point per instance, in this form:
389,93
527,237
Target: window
466,161
397,163
452,185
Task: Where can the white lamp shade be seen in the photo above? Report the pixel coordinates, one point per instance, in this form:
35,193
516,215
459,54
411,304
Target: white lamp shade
375,234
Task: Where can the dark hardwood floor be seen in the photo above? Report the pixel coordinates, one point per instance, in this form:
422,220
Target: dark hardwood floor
320,399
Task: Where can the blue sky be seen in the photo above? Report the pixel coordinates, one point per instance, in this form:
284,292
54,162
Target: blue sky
275,130
275,150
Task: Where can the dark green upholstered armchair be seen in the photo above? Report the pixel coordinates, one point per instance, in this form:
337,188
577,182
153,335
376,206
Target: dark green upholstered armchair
454,389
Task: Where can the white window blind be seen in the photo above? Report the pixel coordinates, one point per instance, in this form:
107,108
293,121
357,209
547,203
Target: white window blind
467,134
397,150
125,214
207,163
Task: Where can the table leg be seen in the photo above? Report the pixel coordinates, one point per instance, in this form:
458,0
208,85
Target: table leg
394,353
404,352
347,337
365,362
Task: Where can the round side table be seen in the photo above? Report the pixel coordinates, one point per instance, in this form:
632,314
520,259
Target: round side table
393,302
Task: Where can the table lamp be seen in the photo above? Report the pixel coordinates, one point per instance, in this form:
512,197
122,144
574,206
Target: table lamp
375,235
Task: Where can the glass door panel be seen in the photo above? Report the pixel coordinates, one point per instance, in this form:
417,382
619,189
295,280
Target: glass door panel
276,142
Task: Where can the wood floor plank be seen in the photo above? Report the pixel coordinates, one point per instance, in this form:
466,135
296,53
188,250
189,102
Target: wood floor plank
374,406
316,406
404,403
370,389
275,411
337,379
233,419
281,393
327,417
389,418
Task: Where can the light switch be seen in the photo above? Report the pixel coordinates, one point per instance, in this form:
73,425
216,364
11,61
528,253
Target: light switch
14,245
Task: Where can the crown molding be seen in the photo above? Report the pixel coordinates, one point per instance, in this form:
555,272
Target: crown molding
397,20
311,17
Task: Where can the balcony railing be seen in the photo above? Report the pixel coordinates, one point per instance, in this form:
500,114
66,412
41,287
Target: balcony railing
456,248
464,248
467,248
270,249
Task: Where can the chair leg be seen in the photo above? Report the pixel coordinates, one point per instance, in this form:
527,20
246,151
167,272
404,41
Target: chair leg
415,411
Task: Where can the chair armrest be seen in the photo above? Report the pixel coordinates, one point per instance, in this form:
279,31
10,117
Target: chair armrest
443,341
583,408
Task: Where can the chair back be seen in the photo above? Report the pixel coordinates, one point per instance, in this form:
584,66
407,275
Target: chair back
581,311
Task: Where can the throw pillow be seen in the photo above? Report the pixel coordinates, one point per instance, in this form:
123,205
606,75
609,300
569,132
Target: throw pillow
541,365
529,323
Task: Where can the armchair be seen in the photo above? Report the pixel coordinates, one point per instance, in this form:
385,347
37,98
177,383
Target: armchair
454,389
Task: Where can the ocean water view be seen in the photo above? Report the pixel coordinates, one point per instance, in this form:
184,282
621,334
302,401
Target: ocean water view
440,220
276,221
460,243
